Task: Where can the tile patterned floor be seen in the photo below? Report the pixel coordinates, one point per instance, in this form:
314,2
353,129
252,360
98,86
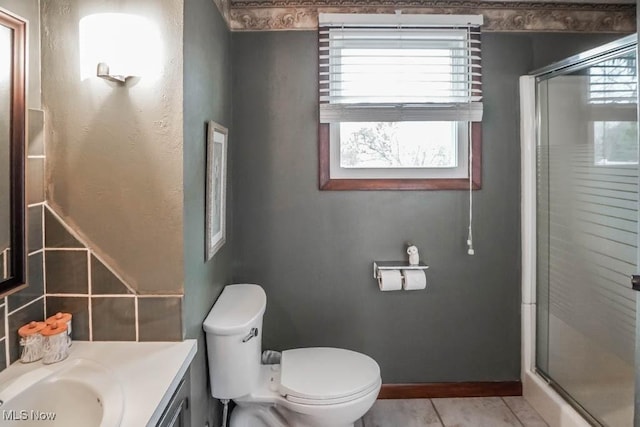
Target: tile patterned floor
455,412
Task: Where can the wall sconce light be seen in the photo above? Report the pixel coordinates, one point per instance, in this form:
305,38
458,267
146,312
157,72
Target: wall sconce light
103,73
119,46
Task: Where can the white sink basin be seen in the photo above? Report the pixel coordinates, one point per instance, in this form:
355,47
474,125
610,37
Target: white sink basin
75,393
89,388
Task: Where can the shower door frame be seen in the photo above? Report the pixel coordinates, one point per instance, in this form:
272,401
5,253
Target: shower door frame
550,401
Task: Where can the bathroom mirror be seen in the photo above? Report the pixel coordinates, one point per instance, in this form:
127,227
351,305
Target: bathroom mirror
12,152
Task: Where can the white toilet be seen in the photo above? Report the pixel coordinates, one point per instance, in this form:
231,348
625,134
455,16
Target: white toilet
311,387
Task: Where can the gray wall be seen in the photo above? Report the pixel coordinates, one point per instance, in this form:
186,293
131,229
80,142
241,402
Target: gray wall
207,95
547,48
312,250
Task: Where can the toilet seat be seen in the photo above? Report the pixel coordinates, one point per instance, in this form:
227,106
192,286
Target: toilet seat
334,401
326,376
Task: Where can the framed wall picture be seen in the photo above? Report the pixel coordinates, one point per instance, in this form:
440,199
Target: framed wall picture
216,188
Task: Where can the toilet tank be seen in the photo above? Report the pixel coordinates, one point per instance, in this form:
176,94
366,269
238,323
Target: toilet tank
233,331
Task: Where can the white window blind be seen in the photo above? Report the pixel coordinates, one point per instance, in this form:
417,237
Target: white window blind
613,81
399,68
612,89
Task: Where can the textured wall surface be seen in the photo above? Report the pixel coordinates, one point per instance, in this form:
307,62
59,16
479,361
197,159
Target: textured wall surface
207,96
312,250
114,169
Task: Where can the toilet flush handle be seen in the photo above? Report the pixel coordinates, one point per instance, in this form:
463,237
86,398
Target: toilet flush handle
252,333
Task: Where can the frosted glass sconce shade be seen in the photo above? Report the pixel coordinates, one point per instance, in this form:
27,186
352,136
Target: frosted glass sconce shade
120,46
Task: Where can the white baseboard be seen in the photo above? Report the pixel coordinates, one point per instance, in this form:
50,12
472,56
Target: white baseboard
553,408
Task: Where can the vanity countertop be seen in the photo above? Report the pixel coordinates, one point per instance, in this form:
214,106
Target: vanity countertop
149,373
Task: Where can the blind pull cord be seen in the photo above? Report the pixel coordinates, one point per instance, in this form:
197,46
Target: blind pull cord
470,249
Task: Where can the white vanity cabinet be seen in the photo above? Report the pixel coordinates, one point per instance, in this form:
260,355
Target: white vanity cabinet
178,411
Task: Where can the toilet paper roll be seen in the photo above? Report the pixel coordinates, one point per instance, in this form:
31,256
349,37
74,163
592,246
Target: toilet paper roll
390,280
414,280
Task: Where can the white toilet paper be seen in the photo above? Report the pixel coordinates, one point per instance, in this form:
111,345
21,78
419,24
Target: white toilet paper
390,280
414,280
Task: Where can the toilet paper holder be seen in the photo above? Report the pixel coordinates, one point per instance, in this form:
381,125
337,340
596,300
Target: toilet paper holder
395,265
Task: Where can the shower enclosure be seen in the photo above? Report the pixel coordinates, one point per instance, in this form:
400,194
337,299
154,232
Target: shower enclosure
584,230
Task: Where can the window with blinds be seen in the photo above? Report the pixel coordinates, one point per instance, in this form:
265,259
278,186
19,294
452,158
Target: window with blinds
398,93
612,93
614,81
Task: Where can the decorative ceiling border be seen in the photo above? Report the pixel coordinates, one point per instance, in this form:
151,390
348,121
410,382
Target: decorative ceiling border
516,16
492,4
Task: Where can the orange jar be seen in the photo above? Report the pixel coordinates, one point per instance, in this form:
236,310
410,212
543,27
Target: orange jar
61,317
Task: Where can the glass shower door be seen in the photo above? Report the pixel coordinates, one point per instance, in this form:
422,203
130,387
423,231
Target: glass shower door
587,234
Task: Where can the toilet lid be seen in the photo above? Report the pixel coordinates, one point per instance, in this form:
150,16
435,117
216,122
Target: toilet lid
322,373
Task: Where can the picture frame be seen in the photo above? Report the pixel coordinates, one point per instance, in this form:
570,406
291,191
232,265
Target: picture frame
216,188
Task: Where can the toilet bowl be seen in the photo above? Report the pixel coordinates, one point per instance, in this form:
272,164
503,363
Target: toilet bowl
311,387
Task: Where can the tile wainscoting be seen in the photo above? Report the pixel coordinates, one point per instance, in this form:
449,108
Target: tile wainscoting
64,274
28,304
